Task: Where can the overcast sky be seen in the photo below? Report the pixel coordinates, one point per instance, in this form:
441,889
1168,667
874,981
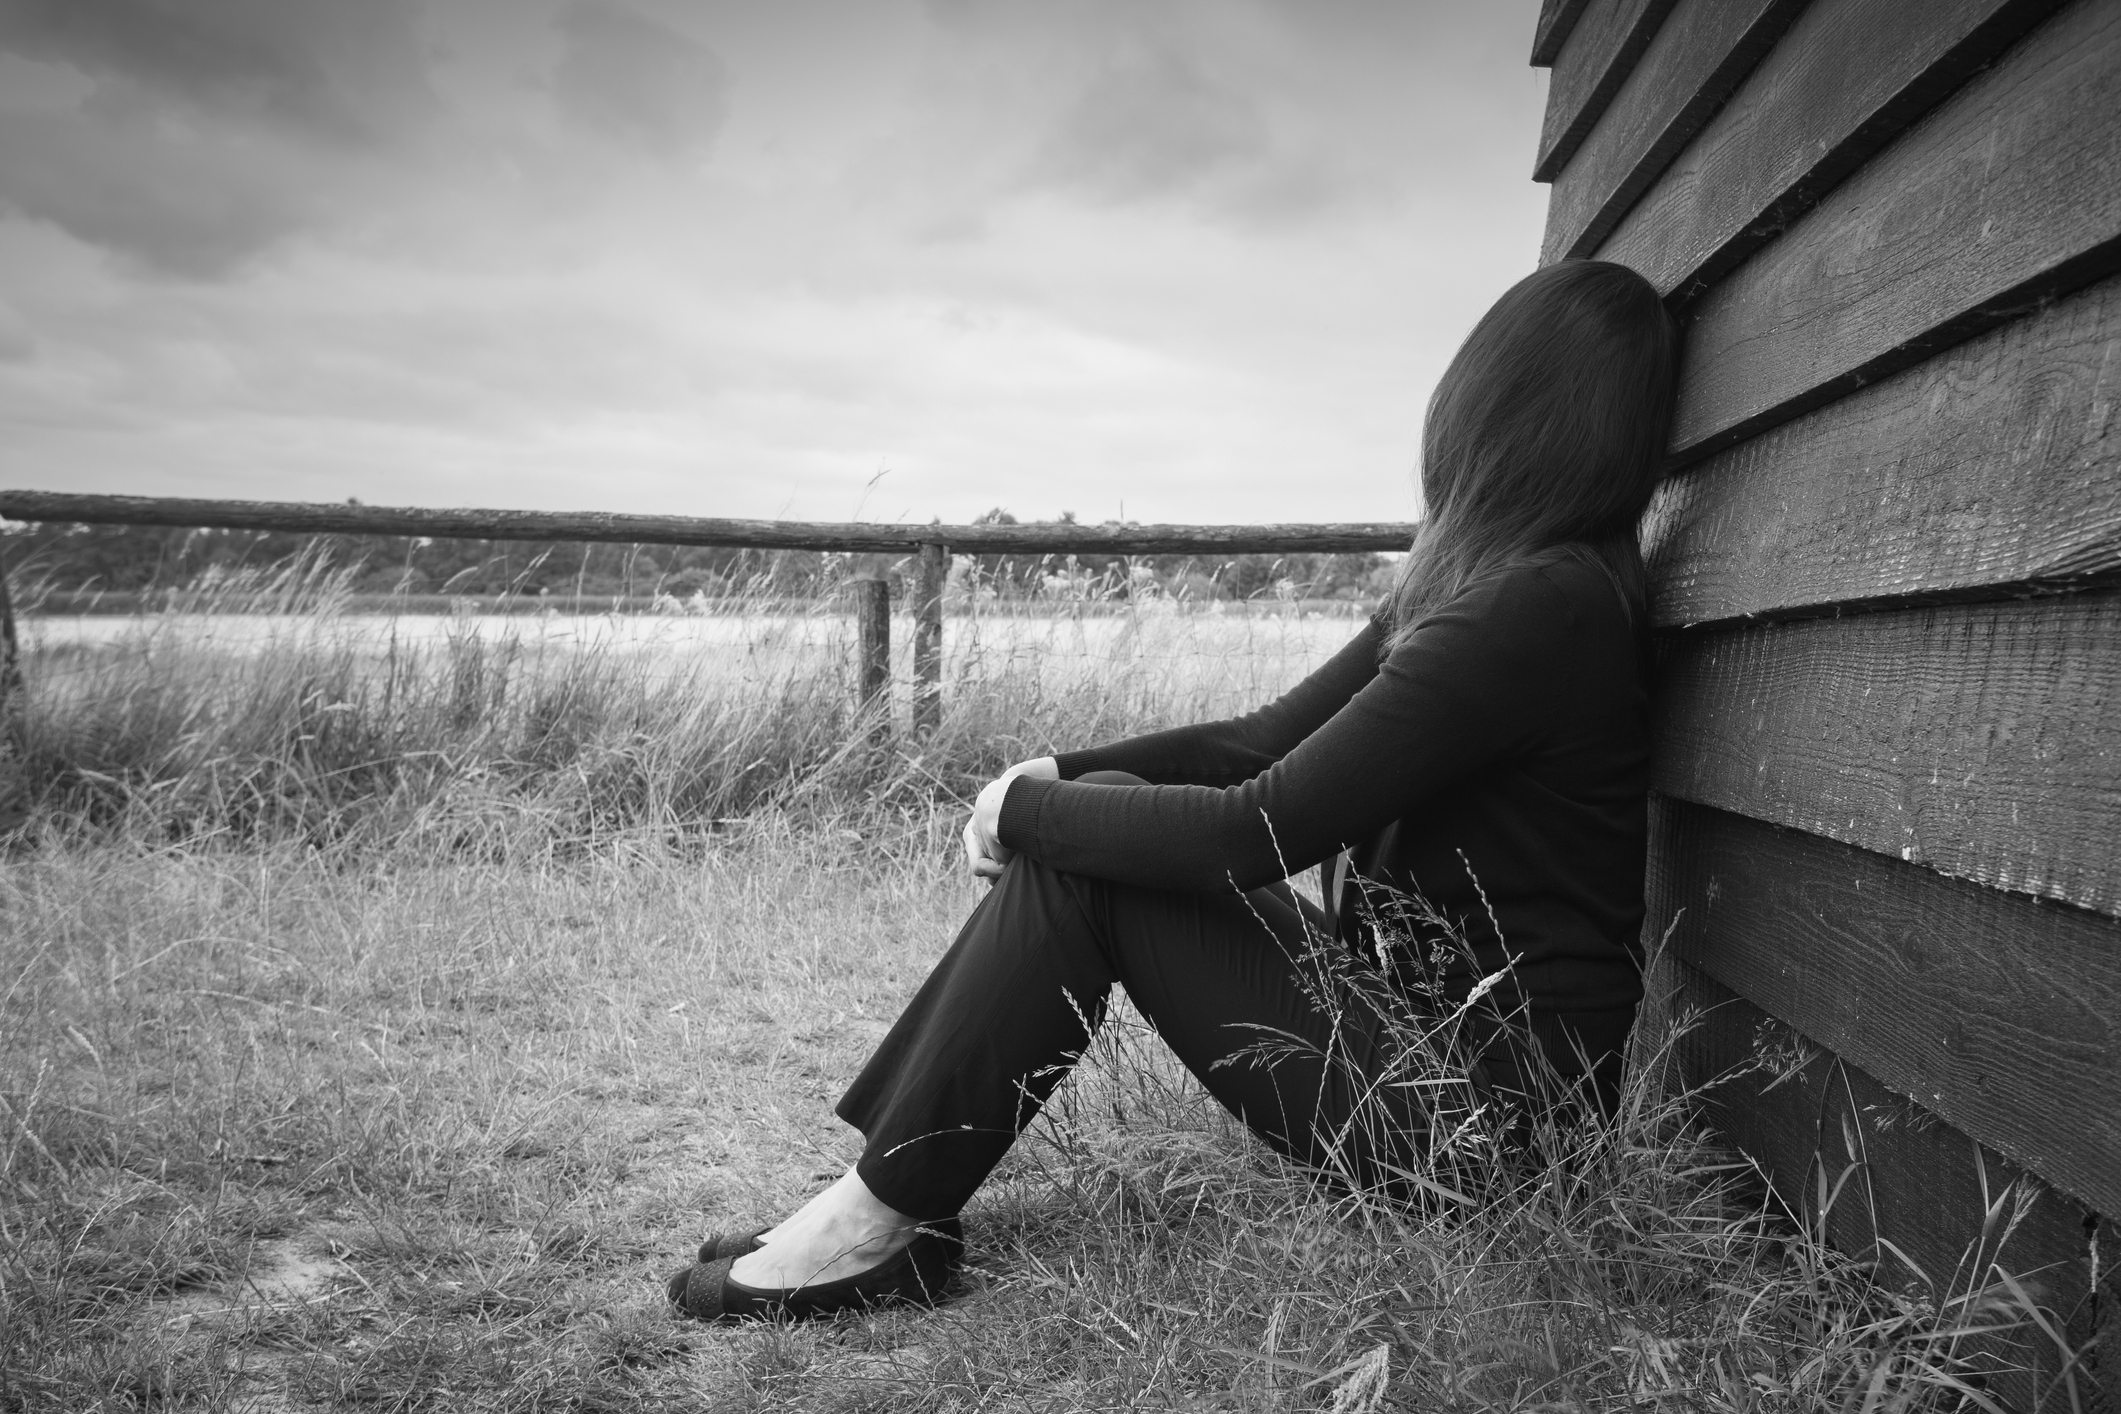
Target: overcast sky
827,259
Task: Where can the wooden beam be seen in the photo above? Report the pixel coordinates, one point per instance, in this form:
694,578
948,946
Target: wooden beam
1915,1181
872,652
1846,79
2008,195
1999,1013
1982,741
14,778
349,519
1557,18
1987,471
1701,53
928,638
1588,70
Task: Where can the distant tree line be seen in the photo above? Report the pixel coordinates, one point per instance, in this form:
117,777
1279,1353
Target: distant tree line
128,559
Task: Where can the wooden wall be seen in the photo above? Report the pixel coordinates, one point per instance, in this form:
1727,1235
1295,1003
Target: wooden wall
1887,591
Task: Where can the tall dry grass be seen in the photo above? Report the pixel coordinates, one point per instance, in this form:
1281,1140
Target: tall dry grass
489,739
377,1028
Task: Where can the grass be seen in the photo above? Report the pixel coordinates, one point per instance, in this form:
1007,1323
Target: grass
259,711
401,1090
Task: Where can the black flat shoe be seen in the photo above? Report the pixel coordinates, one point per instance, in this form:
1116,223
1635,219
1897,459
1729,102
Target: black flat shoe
916,1274
738,1244
731,1244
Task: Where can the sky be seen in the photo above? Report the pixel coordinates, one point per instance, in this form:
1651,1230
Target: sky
1171,260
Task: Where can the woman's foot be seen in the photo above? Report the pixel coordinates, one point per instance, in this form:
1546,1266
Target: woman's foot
843,1249
842,1231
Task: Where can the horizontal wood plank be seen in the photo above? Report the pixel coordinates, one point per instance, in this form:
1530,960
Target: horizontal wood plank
1999,1013
1994,468
1701,53
2008,194
1844,80
1982,741
1589,70
1917,1182
607,526
1557,19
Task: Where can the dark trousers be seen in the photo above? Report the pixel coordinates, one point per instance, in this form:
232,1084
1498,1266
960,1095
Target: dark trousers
1012,1005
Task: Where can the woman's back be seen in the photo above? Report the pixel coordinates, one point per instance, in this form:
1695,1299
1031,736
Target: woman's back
1542,831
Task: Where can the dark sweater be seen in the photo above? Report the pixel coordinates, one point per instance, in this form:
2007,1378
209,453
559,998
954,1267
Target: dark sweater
1506,740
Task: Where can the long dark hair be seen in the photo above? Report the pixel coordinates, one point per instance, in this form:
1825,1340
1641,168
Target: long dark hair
1548,430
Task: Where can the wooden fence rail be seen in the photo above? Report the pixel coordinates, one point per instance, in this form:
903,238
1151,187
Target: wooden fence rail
932,545
350,519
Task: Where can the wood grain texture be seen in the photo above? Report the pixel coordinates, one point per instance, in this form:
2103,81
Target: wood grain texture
1699,56
15,797
1999,1013
1845,79
1994,468
928,588
1918,1182
1589,70
2006,195
1982,741
607,526
872,653
1557,18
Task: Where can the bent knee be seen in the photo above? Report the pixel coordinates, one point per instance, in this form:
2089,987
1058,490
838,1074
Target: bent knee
1110,778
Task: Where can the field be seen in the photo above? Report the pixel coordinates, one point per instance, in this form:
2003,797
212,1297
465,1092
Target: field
388,1006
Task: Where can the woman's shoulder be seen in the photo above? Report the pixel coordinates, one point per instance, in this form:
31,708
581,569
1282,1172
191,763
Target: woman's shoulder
1561,589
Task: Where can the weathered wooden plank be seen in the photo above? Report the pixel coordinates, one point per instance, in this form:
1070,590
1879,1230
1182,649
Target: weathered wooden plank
1557,18
872,652
1701,53
1589,70
1917,1182
2008,194
1979,740
14,780
928,638
691,530
1846,79
2000,1013
1991,469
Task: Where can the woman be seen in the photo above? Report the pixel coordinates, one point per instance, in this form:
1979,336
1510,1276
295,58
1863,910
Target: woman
1482,744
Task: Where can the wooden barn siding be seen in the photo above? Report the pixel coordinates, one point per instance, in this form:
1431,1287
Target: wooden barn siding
2007,194
1891,236
1804,1112
1557,18
1982,741
2005,1011
1848,77
1700,54
1593,63
1992,468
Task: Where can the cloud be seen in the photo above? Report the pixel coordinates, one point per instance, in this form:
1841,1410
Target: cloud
339,70
638,83
164,204
1150,124
1196,108
202,133
1022,253
18,342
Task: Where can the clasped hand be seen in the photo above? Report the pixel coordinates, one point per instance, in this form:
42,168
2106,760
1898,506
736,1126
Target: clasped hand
984,849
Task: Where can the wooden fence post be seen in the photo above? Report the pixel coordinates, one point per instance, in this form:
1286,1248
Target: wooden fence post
14,779
928,637
872,651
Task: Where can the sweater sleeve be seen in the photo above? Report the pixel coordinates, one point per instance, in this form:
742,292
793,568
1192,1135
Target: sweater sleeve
1471,686
1230,752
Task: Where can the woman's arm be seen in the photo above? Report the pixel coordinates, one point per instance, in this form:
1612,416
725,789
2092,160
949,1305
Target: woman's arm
1474,683
1229,752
